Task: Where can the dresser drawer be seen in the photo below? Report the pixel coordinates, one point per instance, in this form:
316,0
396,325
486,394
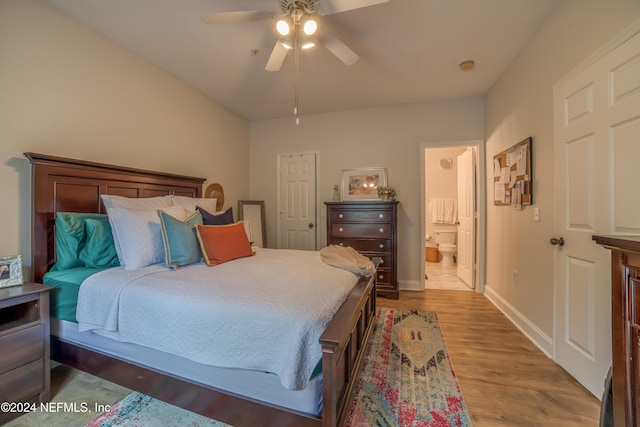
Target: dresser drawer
356,215
366,245
382,230
383,277
21,347
385,259
23,382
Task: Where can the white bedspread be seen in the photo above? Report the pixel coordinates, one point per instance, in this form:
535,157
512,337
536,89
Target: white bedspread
264,312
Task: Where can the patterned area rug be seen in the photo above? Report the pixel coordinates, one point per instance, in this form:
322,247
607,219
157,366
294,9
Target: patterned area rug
407,378
138,410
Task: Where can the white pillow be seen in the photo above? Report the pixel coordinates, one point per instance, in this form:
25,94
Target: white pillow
149,203
190,203
135,203
140,234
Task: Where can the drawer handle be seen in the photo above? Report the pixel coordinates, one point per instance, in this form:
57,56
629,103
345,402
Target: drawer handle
381,277
340,216
341,229
341,244
381,216
381,245
382,230
381,261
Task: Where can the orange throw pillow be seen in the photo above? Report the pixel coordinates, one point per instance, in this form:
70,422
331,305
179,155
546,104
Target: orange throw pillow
222,243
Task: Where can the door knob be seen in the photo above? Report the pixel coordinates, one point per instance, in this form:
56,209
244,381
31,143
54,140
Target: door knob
559,241
310,225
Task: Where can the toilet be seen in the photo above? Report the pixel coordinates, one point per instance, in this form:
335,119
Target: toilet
446,240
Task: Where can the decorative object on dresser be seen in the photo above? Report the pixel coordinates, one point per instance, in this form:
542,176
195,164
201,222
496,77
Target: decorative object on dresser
24,340
10,271
386,193
625,328
371,229
363,183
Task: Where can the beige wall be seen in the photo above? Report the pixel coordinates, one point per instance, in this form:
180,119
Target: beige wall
379,137
67,91
520,105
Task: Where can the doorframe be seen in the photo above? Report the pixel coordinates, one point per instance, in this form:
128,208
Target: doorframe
316,201
481,206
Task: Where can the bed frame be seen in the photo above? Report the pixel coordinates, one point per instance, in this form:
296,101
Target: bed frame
62,184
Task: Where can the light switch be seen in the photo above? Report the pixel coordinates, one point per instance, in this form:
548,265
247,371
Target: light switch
536,214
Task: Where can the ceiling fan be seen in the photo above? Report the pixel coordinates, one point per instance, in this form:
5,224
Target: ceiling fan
297,26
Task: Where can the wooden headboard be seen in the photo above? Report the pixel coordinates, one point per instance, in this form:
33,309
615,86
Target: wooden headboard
67,185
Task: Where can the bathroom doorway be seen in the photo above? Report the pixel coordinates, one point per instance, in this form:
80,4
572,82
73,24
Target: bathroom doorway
451,203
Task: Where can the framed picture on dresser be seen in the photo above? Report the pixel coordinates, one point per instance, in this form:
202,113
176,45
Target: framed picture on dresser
362,183
10,271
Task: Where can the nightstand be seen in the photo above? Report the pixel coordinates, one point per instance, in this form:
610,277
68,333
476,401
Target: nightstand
24,344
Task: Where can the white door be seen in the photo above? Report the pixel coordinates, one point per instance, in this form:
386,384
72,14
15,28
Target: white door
466,216
297,202
596,128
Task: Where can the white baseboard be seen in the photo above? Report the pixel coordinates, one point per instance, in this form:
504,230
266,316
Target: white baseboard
531,331
411,285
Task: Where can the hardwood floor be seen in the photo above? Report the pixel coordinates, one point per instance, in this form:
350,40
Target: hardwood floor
505,379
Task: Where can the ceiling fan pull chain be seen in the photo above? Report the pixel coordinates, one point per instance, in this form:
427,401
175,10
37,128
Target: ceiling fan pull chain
296,55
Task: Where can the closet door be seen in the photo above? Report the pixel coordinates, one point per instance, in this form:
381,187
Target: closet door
596,128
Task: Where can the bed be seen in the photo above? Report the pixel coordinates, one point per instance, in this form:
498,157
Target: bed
68,185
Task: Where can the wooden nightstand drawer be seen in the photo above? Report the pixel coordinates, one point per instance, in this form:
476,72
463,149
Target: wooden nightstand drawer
23,382
382,230
357,215
21,347
24,345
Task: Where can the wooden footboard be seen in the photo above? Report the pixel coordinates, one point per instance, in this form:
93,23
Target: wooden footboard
343,345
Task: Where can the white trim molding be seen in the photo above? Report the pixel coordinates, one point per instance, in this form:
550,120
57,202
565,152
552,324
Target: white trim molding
531,331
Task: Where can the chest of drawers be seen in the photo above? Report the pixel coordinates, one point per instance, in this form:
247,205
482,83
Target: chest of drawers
371,229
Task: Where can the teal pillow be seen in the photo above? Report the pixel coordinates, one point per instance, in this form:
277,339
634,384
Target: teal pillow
98,248
70,231
181,245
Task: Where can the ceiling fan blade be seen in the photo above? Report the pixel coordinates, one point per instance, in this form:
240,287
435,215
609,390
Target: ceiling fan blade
328,7
236,17
339,49
277,57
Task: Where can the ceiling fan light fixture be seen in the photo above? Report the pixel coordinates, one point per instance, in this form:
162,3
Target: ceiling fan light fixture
309,25
283,27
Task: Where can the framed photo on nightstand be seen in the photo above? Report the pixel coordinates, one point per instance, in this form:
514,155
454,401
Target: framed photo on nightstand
10,271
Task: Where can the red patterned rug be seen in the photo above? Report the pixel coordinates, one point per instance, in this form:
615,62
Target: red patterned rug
407,378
